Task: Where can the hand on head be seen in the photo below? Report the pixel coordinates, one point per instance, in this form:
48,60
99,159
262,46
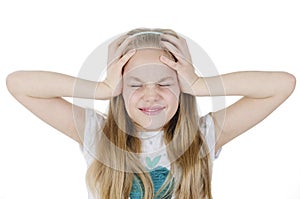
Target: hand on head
177,46
114,75
183,64
117,47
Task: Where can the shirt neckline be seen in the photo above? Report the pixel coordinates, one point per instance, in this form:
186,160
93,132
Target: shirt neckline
149,134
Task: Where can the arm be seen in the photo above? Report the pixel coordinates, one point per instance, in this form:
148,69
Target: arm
42,93
262,93
44,84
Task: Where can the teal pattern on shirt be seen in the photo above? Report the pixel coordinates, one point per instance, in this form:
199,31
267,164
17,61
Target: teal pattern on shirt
152,163
158,177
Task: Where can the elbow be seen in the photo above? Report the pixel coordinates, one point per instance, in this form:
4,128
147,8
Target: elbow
13,82
288,83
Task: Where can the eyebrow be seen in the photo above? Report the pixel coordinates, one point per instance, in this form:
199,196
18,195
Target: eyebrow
161,80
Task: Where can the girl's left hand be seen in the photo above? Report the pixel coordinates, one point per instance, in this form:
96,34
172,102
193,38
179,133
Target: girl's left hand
178,45
184,68
185,72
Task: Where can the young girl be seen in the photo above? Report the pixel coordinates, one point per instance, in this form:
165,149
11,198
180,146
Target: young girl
152,143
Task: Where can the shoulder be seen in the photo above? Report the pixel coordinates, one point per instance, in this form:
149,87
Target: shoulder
92,115
94,122
206,124
207,129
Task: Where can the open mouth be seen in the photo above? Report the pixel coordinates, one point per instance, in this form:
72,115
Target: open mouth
152,110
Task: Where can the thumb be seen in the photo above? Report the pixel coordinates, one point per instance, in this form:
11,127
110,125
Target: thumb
172,64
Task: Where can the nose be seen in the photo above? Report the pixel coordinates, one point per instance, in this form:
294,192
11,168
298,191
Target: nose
150,92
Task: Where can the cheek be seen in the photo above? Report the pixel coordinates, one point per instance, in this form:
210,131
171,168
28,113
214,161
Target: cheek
172,98
130,99
128,94
172,93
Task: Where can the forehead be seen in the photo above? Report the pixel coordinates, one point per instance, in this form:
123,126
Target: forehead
145,64
145,56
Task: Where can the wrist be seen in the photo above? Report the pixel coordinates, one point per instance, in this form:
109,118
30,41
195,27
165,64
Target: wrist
103,91
199,87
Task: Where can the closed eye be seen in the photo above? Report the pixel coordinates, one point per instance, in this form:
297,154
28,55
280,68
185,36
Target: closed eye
164,85
135,86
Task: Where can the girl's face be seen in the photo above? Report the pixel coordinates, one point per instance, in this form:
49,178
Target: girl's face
150,90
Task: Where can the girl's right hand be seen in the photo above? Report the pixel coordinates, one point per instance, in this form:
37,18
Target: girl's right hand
116,48
113,80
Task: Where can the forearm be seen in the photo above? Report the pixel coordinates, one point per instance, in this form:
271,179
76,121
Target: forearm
253,84
42,84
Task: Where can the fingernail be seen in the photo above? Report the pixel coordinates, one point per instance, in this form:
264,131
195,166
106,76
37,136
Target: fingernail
132,51
163,57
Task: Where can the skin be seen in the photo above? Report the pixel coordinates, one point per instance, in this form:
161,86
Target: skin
150,90
262,92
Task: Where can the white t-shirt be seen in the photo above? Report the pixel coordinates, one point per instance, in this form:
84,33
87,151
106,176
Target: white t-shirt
154,154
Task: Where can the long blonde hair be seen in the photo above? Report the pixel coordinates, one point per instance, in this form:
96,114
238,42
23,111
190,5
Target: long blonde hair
190,173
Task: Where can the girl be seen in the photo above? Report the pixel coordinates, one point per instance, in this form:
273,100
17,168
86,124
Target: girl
152,143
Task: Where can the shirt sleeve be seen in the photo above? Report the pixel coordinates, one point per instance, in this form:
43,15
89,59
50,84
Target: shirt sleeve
207,128
92,133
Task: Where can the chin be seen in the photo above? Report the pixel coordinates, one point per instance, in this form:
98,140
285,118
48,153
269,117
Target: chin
151,125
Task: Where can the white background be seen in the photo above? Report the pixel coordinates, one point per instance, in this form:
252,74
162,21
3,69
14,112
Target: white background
39,162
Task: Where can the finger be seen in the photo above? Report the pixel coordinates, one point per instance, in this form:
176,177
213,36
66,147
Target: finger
119,50
170,47
113,46
124,44
123,60
179,56
177,53
180,43
168,62
170,38
120,40
116,51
